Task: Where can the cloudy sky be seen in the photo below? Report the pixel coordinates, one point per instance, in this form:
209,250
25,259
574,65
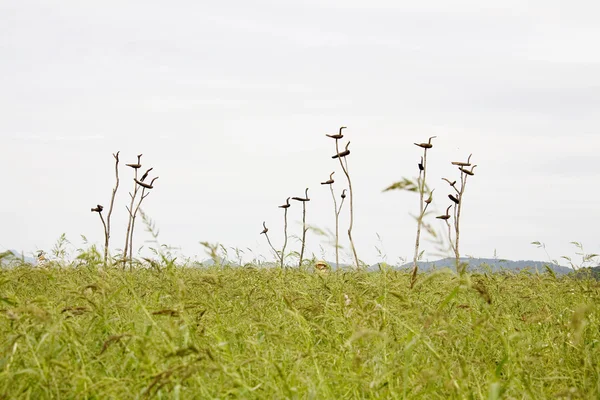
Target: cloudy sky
230,102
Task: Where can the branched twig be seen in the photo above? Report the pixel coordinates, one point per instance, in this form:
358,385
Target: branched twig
142,197
99,208
135,166
344,164
457,203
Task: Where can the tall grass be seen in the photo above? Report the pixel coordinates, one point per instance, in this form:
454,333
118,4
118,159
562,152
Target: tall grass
271,333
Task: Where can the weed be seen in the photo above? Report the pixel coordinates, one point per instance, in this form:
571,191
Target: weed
99,208
421,187
342,158
303,200
336,211
285,233
255,333
457,203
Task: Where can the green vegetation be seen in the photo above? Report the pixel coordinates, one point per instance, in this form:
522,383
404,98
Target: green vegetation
173,332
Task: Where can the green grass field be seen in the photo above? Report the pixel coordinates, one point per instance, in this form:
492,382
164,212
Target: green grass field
274,334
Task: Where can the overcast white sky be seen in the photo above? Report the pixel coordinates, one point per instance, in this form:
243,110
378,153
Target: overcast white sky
230,102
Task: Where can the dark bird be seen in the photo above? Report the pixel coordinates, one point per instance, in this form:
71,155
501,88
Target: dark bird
427,145
302,199
143,184
287,203
424,145
463,164
430,198
138,164
98,208
343,153
450,183
454,199
264,230
446,216
330,180
145,174
466,171
338,135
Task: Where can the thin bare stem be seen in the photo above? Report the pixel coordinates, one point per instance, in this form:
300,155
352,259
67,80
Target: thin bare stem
458,201
264,232
337,228
110,208
330,182
137,208
130,208
285,235
304,227
105,234
423,204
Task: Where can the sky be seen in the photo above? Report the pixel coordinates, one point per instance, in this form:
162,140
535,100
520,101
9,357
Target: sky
230,102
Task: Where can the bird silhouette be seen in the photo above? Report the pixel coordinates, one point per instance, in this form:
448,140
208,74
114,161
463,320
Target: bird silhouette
343,153
265,230
145,174
430,198
447,215
463,164
144,184
305,198
330,180
287,203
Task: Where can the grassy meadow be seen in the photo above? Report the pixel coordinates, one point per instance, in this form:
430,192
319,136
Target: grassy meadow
272,334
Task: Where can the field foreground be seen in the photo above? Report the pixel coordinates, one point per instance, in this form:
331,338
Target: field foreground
257,333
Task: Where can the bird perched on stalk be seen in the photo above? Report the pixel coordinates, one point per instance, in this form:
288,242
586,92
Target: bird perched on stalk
446,216
330,180
454,199
265,230
342,153
287,203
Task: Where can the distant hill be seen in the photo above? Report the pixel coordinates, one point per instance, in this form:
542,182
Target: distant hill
12,257
496,265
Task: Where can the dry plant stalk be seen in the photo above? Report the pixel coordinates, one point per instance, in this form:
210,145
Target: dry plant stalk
135,167
344,164
128,250
457,203
336,211
145,187
264,232
285,224
99,209
303,200
423,204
